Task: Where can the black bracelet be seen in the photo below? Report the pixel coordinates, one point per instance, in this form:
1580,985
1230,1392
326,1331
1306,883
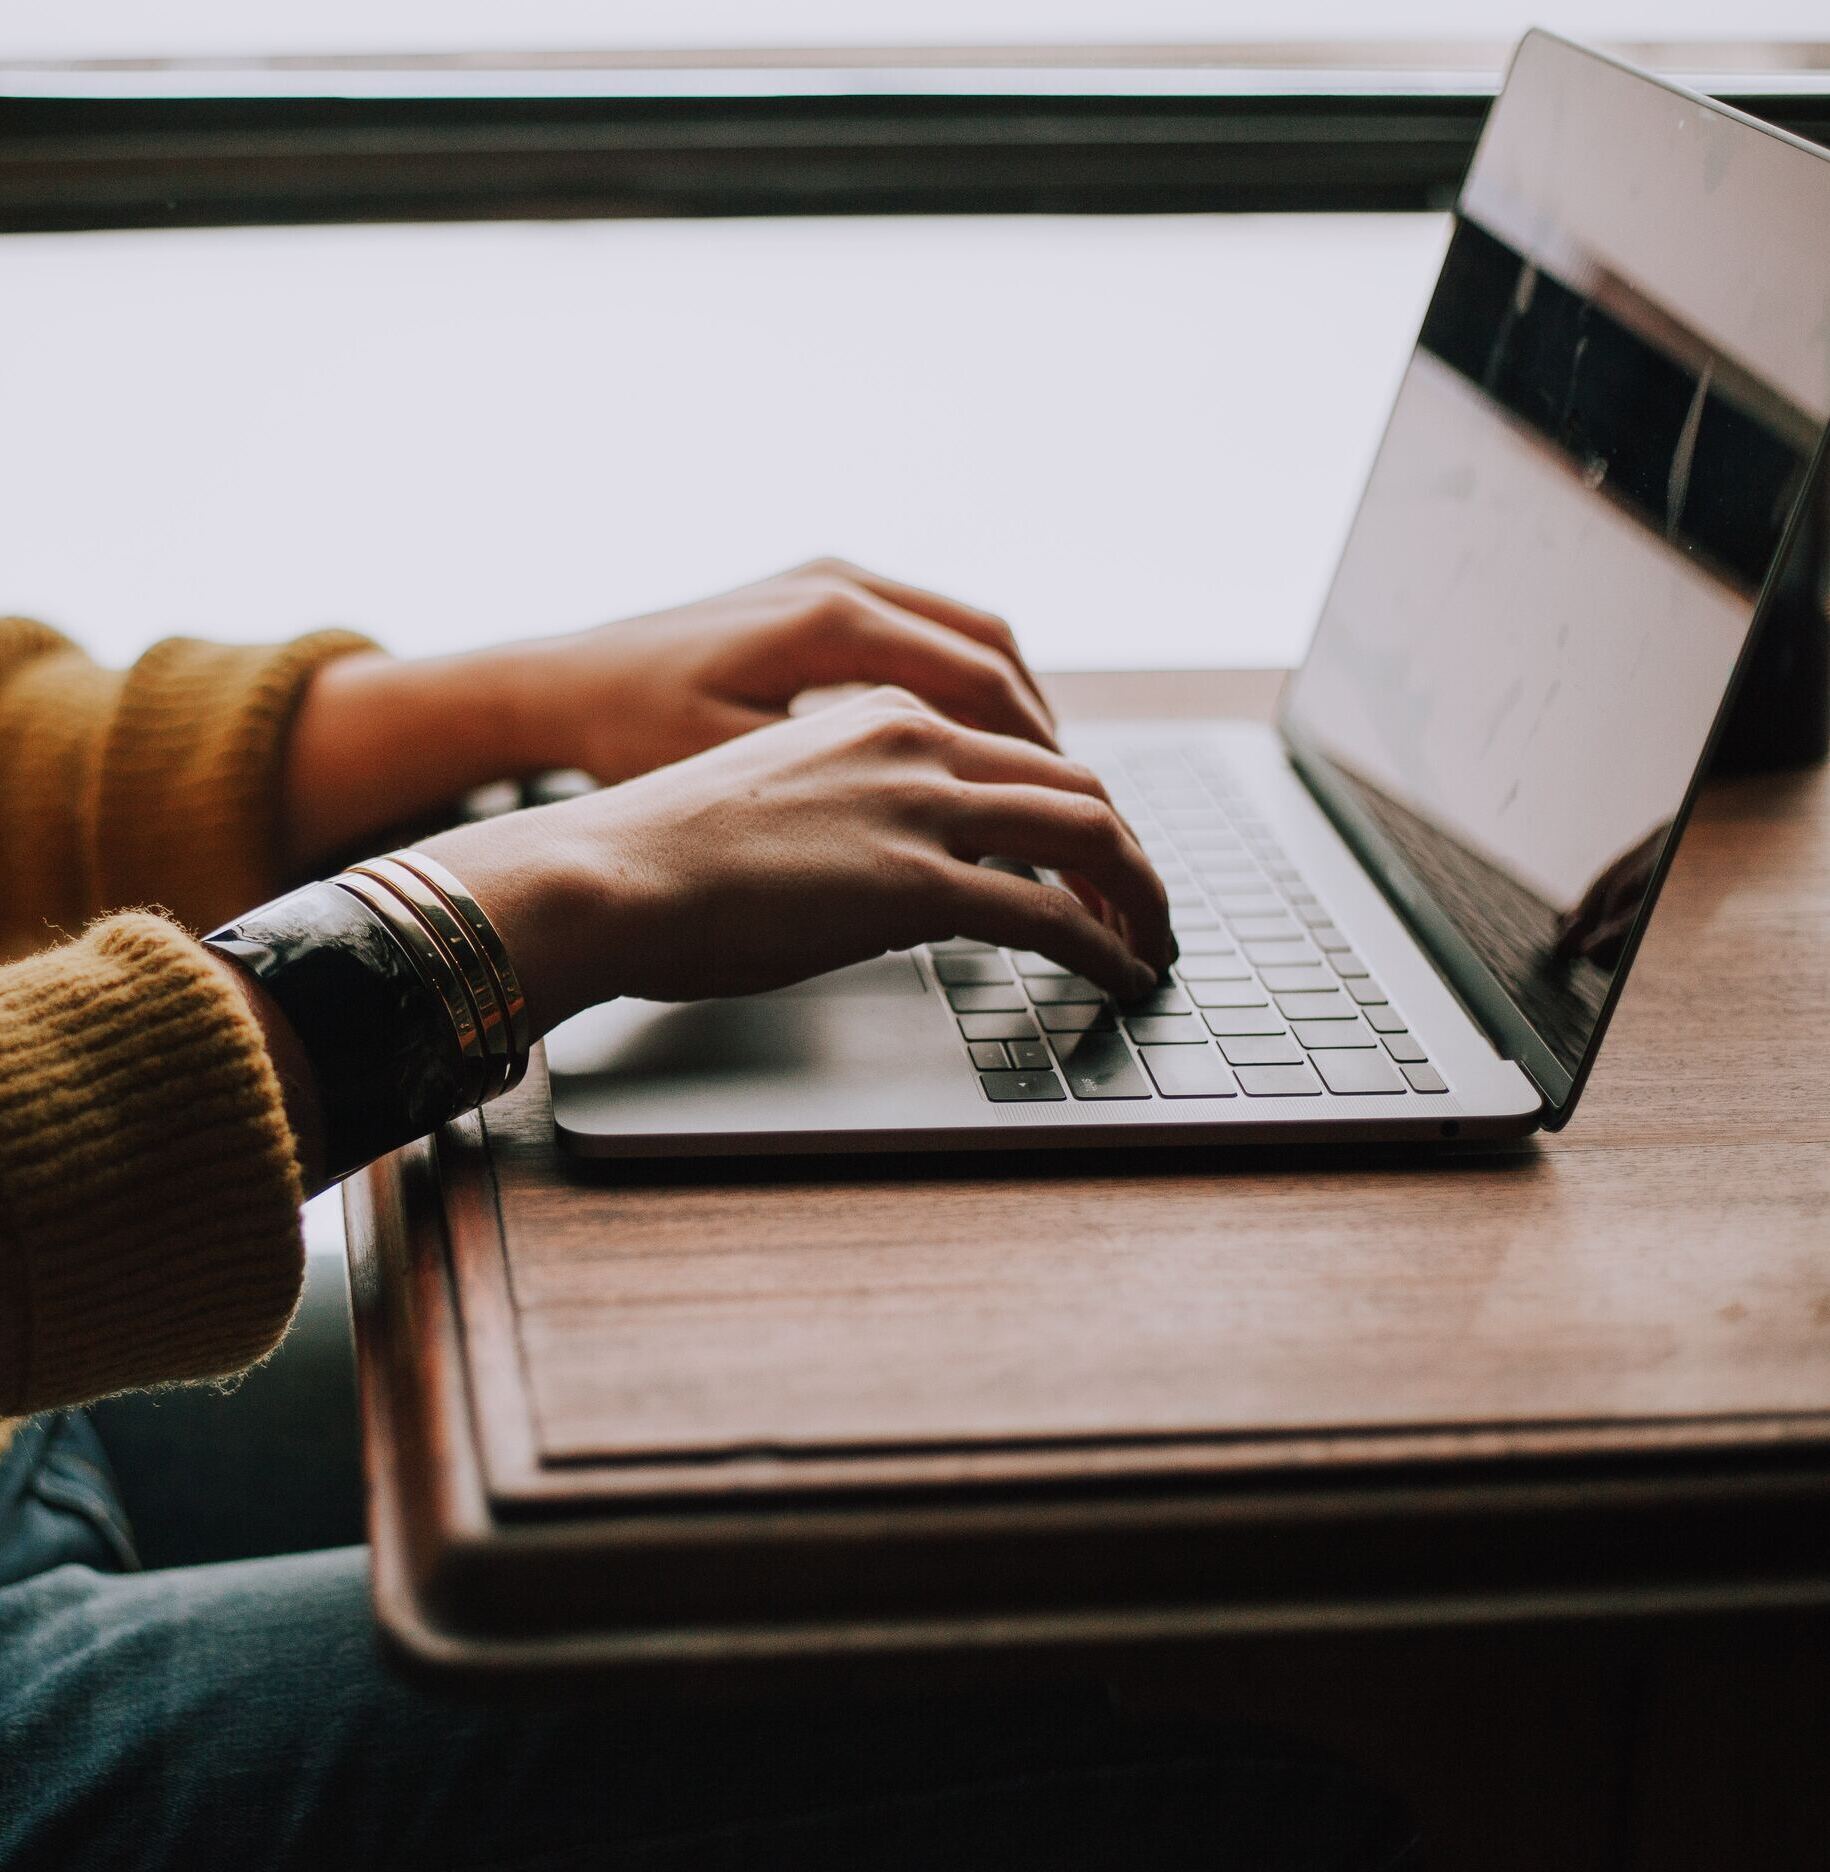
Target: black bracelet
380,1041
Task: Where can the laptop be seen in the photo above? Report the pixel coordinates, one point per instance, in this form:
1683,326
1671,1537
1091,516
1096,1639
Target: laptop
1408,909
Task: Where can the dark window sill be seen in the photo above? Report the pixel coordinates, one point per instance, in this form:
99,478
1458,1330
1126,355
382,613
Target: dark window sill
162,145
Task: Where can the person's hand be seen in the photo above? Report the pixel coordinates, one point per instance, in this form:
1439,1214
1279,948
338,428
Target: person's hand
626,698
381,742
807,845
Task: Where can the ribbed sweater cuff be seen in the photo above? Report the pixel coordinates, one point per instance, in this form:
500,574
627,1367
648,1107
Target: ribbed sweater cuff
149,1191
191,776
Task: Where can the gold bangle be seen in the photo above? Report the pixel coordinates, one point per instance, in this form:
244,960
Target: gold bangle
514,1001
453,935
436,972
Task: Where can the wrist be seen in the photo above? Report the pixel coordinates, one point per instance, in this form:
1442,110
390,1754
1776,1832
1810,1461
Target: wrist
569,917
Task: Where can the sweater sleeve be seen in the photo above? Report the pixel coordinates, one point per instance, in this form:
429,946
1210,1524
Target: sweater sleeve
157,784
149,1191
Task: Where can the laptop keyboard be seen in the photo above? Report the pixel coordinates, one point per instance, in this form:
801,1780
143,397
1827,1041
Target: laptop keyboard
1268,1000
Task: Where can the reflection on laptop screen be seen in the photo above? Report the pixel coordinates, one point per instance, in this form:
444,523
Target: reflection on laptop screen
1598,446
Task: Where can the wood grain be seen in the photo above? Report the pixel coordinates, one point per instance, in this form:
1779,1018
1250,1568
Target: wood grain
727,1423
1658,1272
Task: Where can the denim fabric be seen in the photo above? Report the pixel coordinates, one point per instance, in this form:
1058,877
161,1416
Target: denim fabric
58,1501
238,1715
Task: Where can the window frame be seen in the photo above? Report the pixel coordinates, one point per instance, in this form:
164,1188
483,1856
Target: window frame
94,146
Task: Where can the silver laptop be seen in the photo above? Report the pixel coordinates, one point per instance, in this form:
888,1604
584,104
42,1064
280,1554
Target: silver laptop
1408,909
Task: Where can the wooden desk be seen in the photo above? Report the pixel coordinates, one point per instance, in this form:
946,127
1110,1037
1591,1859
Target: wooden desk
747,1415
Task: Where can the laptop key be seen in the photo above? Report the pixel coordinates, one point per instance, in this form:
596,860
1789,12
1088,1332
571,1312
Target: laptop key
1326,936
957,971
1029,963
1258,1020
1355,1073
1165,1000
1280,954
1226,994
1425,1079
997,1027
1213,968
1011,1088
960,945
1279,1082
1313,1034
1312,914
1047,990
1250,929
989,1055
1292,979
1100,1066
1166,1030
1204,942
1385,1019
1030,1055
1347,965
1403,1046
1261,1051
1328,1005
1005,1000
1188,1072
1081,1017
1365,991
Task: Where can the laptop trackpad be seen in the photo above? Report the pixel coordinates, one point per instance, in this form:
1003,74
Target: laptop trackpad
887,975
872,1018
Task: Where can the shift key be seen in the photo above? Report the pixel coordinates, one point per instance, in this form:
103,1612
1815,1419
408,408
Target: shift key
1099,1066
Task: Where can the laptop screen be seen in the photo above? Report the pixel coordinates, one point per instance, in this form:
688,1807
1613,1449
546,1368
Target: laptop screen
1595,456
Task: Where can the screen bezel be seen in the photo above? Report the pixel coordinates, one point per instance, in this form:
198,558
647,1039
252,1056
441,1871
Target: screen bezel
1480,991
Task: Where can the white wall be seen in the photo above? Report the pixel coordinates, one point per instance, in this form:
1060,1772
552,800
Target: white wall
1140,437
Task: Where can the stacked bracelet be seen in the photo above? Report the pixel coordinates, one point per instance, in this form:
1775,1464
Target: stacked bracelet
455,917
402,996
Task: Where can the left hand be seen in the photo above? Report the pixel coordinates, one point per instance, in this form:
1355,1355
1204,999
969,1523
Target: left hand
626,698
379,742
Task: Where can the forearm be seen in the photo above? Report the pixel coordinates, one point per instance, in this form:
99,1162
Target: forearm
158,784
380,743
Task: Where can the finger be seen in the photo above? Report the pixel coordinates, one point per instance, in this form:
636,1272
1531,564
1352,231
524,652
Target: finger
984,627
970,754
955,613
869,640
975,754
1074,834
1098,905
1020,913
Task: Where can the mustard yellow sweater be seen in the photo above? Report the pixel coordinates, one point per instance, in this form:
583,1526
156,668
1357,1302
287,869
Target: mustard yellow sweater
149,1191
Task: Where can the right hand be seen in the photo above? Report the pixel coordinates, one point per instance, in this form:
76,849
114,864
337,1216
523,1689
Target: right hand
804,846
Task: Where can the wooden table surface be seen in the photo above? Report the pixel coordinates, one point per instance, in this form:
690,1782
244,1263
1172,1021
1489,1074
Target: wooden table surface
1630,1319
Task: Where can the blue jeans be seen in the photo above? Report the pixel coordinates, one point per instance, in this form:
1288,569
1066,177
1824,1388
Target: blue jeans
238,1714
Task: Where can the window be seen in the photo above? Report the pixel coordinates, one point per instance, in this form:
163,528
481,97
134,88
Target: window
1138,432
